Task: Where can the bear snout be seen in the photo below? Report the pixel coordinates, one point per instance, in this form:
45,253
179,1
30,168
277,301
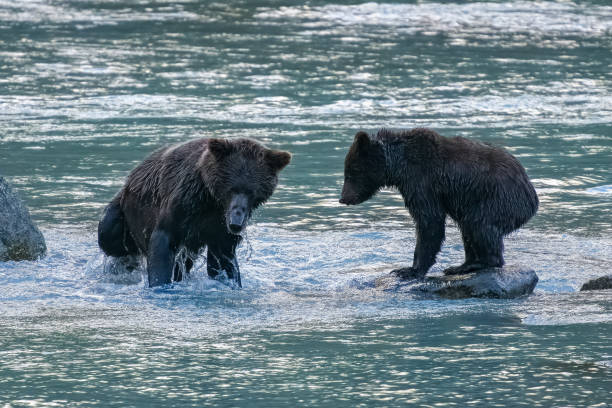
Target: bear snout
348,196
349,201
236,220
237,215
235,228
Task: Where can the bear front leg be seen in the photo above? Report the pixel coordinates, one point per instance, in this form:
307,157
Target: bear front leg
429,238
177,274
222,257
160,260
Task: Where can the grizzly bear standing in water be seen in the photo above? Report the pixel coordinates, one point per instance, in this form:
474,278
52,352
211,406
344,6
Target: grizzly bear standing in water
200,193
483,188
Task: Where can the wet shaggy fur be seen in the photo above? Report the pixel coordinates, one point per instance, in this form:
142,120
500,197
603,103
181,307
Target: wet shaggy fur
483,188
180,196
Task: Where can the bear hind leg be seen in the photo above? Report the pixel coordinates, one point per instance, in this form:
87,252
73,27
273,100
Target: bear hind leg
484,247
470,256
113,237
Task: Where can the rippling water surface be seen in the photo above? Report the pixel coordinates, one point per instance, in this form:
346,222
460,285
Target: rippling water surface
87,89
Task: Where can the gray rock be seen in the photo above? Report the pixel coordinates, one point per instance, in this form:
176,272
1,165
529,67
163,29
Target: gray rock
605,282
20,239
505,283
3,251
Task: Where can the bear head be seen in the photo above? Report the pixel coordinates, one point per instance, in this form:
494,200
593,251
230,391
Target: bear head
241,174
364,170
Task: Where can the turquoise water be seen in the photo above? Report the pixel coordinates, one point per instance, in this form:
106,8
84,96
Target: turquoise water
88,89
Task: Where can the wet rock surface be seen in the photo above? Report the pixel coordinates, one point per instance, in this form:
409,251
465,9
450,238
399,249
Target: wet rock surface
20,239
605,282
504,283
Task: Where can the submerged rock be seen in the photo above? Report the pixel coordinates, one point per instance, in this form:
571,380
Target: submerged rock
605,282
504,283
20,239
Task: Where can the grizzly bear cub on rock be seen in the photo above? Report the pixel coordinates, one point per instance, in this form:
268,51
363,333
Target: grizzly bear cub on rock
483,188
192,195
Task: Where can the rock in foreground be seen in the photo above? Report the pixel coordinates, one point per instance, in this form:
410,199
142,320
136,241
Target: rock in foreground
20,239
504,283
605,282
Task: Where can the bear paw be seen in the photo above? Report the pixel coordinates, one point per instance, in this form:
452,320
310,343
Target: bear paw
465,268
408,273
454,270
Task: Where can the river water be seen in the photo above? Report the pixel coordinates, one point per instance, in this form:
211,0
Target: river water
89,88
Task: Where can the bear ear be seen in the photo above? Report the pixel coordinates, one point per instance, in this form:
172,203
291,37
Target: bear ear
277,159
219,147
362,140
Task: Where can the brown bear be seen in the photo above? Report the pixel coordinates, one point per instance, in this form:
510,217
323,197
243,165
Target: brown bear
483,188
192,195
